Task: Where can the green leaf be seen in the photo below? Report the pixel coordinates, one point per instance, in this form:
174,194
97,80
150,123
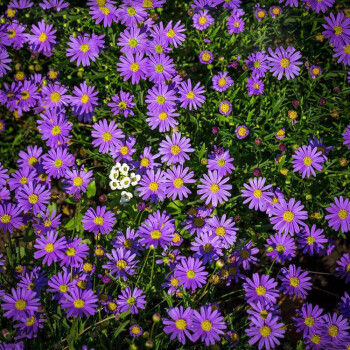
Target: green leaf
91,189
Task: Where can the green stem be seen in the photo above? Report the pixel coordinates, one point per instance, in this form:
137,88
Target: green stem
143,266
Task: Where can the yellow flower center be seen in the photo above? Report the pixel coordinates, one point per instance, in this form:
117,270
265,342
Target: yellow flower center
56,130
198,221
144,162
53,74
202,20
98,220
85,99
105,10
288,216
156,234
338,30
307,161
147,4
20,304
347,49
79,303
280,248
159,48
33,198
153,186
342,214
32,161
161,100
106,136
178,182
190,95
285,62
87,267
30,321
58,163
315,339
206,57
236,24
206,325
135,330
256,86
242,131
294,282
276,11
11,13
20,75
127,244
5,219
84,48
309,321
159,68
333,330
222,82
163,116
310,240
25,95
191,274
175,150
112,306
315,71
49,247
180,324
131,11
121,264
170,33
261,14
260,290
220,231
348,268
82,284
263,314
257,193
208,248
245,254
176,238
101,3
43,37
265,331
124,150
293,114
78,181
55,97
214,188
225,107
174,282
70,251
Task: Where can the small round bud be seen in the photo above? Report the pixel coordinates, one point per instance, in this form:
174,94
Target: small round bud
149,344
219,263
258,141
156,317
282,147
102,198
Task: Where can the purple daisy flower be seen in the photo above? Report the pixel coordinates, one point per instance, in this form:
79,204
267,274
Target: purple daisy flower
133,66
55,96
343,54
321,147
3,176
260,289
311,240
343,268
287,216
262,310
224,229
57,161
174,150
33,197
206,57
161,98
339,216
255,86
84,49
208,325
256,193
79,303
266,332
179,324
147,161
73,253
202,20
152,185
336,329
258,64
106,135
76,181
121,263
221,161
122,104
157,229
222,81
20,304
225,107
320,5
235,24
21,177
207,247
309,319
10,217
162,120
131,241
295,282
346,136
344,305
242,132
197,221
280,247
107,13
30,158
213,188
191,273
4,59
191,97
284,62
57,4
275,11
307,160
124,150
176,179
260,14
42,38
174,33
48,246
47,222
100,221
16,34
160,68
315,71
135,331
20,4
133,41
132,300
27,95
131,14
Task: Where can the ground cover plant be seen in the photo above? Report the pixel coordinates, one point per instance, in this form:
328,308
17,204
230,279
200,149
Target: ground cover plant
174,174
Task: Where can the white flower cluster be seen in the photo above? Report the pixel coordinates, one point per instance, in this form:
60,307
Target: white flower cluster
122,179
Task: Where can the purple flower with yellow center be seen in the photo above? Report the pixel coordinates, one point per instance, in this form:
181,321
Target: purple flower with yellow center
337,29
27,95
47,247
256,193
208,325
121,263
173,33
262,310
258,64
343,54
84,49
224,229
33,197
79,303
176,179
76,181
275,11
245,254
265,332
20,4
255,86
290,3
343,268
135,331
311,240
74,252
307,160
131,241
336,329
161,98
30,158
57,4
21,177
280,247
260,14
83,101
321,147
60,284
206,57
15,32
147,161
133,66
197,221
131,14
57,161
152,185
107,13
100,221
222,81
132,40
122,104
315,71
29,327
316,340
320,5
235,24
175,149
55,96
295,282
339,216
178,324
225,107
309,319
213,188
20,304
124,149
346,136
202,20
287,216
191,97
10,217
242,132
191,273
157,229
207,247
221,161
42,38
284,62
132,300
54,127
4,59
3,175
4,195
261,288
162,120
160,68
106,135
